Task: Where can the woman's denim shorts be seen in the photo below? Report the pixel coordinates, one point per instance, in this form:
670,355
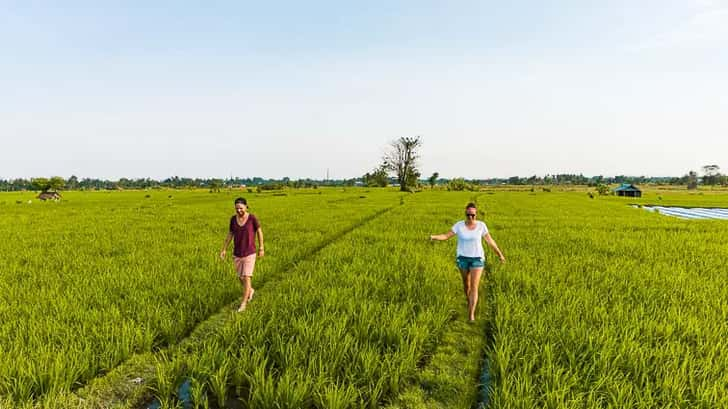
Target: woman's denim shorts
467,263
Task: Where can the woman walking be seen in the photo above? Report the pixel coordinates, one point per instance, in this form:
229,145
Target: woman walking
244,228
470,255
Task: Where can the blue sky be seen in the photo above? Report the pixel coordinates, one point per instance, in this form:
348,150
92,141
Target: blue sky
128,89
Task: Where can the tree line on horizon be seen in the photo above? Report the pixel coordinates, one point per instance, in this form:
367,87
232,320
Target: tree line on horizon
399,167
370,179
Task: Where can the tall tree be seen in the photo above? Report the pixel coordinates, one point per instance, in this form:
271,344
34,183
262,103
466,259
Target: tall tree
216,185
42,184
72,182
433,179
402,160
56,183
711,174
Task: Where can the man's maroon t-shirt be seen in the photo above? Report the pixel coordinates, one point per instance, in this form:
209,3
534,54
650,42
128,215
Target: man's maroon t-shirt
244,236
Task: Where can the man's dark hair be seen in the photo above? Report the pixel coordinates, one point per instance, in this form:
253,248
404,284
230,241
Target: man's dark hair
241,200
471,205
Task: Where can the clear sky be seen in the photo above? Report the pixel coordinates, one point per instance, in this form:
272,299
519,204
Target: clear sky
273,89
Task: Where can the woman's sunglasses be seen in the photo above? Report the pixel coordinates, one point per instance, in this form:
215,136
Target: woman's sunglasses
470,214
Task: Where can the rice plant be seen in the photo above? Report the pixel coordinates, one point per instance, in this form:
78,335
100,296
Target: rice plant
600,305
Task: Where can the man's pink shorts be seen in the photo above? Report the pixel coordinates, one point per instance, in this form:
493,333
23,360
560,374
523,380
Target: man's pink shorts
244,265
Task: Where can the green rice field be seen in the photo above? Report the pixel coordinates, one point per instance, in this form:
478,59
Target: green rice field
119,299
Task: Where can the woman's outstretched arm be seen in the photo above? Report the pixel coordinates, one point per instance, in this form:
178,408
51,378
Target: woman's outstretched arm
443,236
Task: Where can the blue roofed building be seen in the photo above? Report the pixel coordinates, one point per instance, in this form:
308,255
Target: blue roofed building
628,190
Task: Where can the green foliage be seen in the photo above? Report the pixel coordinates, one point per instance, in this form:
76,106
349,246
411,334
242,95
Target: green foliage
353,338
711,175
605,324
42,184
377,178
271,186
216,185
56,183
128,275
219,383
602,189
433,179
401,159
459,184
357,310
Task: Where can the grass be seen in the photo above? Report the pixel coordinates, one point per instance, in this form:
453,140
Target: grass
600,304
131,274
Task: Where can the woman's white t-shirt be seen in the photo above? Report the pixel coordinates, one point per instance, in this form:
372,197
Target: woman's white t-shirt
470,242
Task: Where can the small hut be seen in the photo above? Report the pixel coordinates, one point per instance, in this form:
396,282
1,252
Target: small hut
49,195
628,190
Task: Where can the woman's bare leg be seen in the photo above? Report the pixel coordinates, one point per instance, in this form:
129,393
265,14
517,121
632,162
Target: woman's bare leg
247,291
473,294
466,282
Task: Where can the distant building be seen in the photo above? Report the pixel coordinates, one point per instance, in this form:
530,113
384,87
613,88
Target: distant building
50,195
628,190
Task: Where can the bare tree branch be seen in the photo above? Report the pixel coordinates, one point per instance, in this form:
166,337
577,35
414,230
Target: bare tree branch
401,159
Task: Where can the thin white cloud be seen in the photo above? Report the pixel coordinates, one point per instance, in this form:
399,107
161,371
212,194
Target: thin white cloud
706,27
